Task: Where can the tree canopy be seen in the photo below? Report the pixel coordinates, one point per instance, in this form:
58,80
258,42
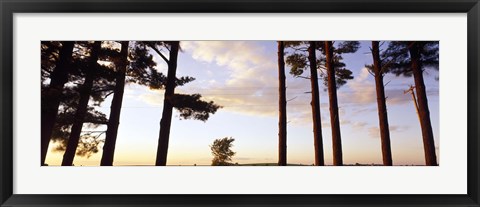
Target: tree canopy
222,151
396,57
297,59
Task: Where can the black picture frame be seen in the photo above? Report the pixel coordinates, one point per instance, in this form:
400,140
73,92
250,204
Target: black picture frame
10,7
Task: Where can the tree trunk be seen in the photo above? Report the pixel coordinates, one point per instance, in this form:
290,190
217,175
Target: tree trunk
317,122
115,108
282,105
51,98
85,92
382,106
332,95
166,121
424,113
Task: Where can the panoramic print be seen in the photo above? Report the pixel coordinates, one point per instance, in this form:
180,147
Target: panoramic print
240,103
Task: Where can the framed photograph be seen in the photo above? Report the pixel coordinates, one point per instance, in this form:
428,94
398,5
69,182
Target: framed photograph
239,103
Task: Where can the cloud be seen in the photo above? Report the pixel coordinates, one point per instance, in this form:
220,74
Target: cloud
242,76
251,83
398,96
153,98
246,61
359,110
359,124
299,117
326,125
432,92
374,132
361,90
345,122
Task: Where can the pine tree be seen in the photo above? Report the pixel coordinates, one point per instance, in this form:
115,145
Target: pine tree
332,95
189,106
134,65
141,72
70,96
335,76
412,58
379,69
116,106
166,121
304,57
51,96
81,110
282,105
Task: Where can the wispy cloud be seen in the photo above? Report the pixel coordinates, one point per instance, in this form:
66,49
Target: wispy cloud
374,132
249,81
252,76
153,98
359,124
361,90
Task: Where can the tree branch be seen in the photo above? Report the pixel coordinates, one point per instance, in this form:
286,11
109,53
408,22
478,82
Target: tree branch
108,94
100,134
291,99
371,73
158,52
304,77
103,89
93,131
387,83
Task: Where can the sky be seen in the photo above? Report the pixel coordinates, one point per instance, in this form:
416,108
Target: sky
242,76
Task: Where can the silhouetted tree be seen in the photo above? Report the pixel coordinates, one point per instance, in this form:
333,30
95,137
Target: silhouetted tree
335,76
115,107
282,107
140,72
222,151
334,66
190,106
89,139
332,95
412,58
52,95
71,95
81,110
299,61
166,121
134,65
378,70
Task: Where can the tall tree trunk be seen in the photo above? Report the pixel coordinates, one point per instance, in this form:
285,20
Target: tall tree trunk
282,105
382,106
317,122
166,121
424,113
332,95
51,99
115,108
85,92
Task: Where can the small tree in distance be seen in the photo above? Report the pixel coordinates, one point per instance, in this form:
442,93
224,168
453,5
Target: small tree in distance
222,152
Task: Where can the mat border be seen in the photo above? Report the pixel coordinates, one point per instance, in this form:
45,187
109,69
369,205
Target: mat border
9,7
